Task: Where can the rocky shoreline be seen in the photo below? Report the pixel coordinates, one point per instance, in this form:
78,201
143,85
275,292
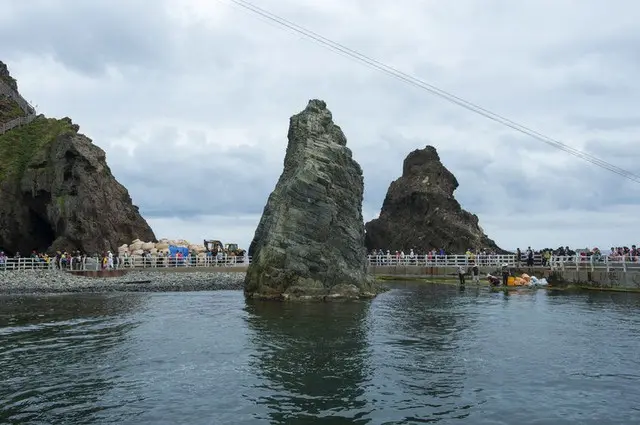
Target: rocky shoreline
55,281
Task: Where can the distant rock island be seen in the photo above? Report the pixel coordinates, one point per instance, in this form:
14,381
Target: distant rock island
309,244
57,192
421,213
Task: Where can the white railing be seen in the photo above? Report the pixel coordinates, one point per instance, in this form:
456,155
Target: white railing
555,262
576,262
131,262
440,260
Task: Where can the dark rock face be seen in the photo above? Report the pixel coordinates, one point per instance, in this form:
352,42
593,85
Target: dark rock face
9,108
309,243
6,77
421,213
57,192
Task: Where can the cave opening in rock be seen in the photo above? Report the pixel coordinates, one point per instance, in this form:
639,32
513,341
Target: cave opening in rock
42,235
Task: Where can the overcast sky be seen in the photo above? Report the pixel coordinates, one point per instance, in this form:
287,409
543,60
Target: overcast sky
191,101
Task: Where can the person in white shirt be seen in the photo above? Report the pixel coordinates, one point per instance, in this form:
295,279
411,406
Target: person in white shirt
461,273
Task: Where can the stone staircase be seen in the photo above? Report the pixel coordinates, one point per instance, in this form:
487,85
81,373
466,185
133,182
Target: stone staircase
29,111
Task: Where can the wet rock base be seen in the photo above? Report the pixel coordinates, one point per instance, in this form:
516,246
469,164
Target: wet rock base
338,293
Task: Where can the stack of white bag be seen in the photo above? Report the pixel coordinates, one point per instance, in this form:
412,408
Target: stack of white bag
537,282
138,247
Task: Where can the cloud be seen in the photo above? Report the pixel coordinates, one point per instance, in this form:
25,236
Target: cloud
87,36
226,180
191,101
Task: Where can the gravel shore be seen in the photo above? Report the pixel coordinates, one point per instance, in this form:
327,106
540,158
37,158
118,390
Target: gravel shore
53,281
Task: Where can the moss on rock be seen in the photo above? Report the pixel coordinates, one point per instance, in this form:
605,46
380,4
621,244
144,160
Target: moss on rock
18,146
9,110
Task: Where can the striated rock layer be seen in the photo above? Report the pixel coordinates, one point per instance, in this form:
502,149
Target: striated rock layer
309,243
57,192
421,213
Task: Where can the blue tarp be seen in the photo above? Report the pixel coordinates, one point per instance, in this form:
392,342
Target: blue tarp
173,250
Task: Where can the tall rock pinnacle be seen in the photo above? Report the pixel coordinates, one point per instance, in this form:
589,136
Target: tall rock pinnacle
309,243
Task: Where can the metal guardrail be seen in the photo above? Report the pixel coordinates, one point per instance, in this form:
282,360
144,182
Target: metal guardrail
555,262
119,263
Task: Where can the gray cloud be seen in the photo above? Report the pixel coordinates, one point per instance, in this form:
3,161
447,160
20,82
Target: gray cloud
167,182
605,122
204,92
88,36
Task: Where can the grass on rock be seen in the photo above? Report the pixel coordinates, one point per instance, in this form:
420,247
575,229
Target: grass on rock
19,145
9,110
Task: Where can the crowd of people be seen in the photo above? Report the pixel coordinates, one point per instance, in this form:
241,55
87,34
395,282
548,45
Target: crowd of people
529,257
61,259
381,256
107,260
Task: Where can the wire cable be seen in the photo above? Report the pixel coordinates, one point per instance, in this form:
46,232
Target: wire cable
389,70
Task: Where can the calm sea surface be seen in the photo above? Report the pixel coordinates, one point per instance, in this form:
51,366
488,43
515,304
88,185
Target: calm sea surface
417,354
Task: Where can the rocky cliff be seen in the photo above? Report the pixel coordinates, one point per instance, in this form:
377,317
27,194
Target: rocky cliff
9,108
421,213
57,192
6,76
309,243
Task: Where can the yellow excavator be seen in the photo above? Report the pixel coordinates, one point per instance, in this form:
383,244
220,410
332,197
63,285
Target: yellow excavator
213,246
231,249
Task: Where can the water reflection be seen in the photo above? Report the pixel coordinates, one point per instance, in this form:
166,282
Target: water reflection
418,333
313,360
57,355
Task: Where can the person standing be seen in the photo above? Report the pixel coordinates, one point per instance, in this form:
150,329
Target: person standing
505,274
461,273
529,257
475,270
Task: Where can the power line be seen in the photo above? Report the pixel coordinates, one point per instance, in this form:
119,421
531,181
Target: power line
389,70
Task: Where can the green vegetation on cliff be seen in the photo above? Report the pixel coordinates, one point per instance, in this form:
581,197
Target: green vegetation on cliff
18,146
9,110
61,201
